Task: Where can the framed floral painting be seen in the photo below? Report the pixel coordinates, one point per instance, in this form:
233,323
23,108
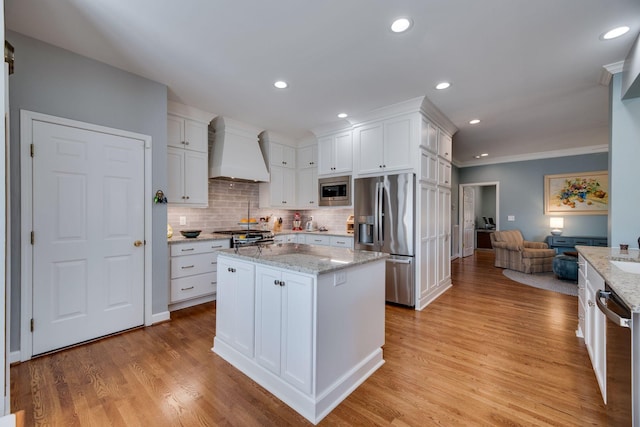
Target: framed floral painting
585,193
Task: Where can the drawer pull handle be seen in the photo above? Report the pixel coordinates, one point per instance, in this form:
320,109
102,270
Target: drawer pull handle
340,243
216,247
187,289
187,250
187,266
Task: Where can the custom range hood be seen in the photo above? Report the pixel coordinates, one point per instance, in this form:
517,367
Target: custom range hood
235,152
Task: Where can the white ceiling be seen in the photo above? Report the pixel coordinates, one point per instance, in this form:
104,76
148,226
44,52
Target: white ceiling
528,69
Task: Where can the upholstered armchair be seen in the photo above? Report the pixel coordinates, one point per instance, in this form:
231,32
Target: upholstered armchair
515,253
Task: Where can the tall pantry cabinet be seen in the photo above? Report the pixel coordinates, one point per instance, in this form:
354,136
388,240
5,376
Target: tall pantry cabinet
414,136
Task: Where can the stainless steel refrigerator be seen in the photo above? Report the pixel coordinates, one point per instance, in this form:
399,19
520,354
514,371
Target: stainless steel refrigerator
384,222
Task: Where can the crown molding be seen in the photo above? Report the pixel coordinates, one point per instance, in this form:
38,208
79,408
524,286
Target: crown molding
399,108
189,112
591,149
434,114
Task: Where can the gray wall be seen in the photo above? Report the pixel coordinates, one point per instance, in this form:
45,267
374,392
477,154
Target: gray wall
522,193
625,167
57,82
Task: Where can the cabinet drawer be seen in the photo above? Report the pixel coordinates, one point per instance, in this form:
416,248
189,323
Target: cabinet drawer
582,242
194,264
313,239
192,286
341,242
192,248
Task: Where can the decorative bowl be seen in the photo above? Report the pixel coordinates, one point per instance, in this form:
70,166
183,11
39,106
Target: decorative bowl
190,233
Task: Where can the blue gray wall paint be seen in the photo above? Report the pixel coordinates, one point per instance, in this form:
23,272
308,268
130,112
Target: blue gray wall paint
624,226
522,193
54,81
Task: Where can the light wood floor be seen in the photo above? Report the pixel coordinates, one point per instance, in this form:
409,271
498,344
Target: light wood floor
489,352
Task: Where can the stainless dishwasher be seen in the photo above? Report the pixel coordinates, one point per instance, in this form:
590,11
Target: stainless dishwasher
619,371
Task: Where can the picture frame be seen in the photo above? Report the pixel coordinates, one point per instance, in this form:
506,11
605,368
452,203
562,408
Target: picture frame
582,193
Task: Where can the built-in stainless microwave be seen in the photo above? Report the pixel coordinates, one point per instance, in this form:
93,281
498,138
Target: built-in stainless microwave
334,191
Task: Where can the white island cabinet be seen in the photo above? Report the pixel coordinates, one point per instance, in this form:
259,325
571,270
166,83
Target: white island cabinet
305,322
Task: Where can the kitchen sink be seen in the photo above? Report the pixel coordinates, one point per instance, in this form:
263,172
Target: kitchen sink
627,266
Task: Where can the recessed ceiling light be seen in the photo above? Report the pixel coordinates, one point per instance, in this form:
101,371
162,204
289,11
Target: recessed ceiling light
443,85
281,84
343,115
476,157
400,25
474,121
484,154
616,32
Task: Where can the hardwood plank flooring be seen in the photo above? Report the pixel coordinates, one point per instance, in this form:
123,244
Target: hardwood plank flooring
490,352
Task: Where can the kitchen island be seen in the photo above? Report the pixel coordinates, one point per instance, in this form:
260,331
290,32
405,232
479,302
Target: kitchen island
305,322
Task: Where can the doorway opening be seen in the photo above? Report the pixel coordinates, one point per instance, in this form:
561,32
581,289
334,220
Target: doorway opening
479,215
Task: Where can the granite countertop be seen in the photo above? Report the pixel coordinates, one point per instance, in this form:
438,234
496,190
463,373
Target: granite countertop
325,233
179,238
308,259
626,285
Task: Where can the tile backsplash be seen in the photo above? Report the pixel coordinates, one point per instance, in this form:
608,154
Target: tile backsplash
228,203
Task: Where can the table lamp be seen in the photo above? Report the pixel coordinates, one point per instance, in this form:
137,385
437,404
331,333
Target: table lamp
556,224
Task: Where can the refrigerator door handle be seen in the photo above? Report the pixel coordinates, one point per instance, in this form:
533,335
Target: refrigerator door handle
399,261
379,205
611,315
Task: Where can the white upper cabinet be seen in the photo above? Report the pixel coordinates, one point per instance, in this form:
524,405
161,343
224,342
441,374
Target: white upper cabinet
282,155
187,155
429,138
186,133
335,154
385,145
444,146
280,191
307,188
307,157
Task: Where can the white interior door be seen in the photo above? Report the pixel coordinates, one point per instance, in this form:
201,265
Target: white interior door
469,225
88,224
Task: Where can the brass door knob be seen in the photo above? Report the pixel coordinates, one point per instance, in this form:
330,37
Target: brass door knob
137,243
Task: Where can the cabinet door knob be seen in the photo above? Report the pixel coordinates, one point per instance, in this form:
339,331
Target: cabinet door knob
276,282
137,243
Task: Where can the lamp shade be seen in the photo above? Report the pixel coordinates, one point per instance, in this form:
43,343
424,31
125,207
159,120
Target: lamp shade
556,224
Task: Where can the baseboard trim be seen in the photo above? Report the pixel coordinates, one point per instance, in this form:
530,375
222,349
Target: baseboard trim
14,357
160,317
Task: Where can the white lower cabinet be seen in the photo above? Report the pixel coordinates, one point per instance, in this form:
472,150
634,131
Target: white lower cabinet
341,241
592,323
284,325
193,271
235,320
317,239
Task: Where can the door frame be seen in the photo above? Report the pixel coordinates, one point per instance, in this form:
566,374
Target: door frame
461,205
26,189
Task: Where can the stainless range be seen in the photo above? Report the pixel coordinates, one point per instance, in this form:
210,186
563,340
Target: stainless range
248,237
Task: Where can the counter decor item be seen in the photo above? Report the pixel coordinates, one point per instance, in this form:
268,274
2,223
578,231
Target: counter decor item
277,224
169,231
190,234
297,222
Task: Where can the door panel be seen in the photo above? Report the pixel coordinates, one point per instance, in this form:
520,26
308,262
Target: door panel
469,209
88,210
